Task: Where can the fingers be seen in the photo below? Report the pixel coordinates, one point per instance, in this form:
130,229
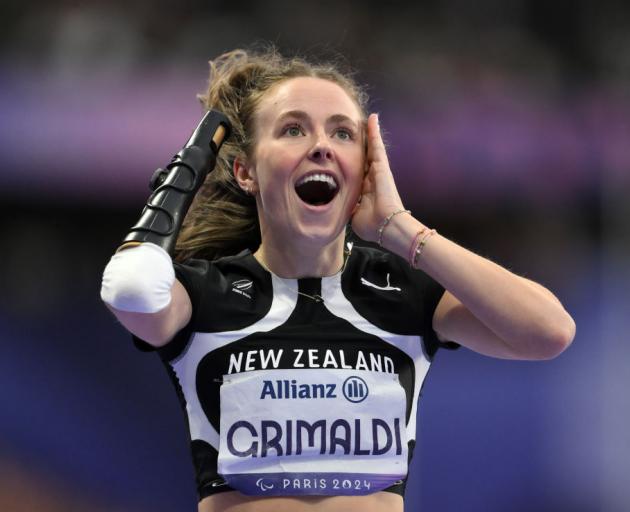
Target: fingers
376,147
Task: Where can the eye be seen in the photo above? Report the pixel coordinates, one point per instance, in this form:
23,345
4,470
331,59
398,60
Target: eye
344,134
293,130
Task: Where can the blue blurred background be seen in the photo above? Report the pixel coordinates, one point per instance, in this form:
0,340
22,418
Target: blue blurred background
509,131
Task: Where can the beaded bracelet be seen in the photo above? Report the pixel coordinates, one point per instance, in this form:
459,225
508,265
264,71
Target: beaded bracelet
385,223
418,247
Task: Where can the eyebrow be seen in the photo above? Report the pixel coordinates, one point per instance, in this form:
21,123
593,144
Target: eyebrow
300,114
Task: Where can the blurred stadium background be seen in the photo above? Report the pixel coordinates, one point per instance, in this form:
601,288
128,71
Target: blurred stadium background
509,129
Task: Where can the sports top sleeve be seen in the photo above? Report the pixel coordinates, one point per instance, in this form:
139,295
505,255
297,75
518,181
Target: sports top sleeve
426,293
394,296
192,275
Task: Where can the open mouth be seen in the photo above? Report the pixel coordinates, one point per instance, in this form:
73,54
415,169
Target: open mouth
317,189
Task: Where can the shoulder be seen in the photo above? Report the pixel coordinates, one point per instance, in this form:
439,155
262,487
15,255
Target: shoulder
225,293
383,287
219,273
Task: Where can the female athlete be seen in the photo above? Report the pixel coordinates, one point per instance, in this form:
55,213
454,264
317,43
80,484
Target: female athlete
299,356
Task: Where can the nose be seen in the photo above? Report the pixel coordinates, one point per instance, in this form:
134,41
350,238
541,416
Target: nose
321,151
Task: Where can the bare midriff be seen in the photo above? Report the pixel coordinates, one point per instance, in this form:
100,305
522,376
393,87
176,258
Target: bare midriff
237,502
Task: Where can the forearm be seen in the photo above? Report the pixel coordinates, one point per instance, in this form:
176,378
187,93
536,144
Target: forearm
523,314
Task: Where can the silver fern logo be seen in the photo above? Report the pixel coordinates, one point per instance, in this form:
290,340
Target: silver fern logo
243,287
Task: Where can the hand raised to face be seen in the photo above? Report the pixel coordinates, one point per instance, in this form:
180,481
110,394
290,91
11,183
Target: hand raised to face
379,195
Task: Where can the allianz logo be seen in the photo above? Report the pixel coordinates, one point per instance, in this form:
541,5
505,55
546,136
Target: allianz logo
354,389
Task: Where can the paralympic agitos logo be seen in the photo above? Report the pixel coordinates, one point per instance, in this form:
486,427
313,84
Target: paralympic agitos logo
354,389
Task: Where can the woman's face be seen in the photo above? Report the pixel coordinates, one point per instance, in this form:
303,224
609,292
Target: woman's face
308,161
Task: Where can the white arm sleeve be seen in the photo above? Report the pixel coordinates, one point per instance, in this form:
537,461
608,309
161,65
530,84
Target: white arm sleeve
139,279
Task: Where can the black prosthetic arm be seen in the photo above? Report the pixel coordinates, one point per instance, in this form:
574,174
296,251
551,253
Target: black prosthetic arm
175,187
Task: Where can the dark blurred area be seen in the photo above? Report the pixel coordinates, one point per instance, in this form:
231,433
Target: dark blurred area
509,131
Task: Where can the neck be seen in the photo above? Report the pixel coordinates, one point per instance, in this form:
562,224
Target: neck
309,261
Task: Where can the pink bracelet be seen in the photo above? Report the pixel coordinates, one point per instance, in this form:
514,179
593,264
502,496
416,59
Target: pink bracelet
418,247
414,243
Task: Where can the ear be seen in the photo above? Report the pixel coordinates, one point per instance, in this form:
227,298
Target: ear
245,176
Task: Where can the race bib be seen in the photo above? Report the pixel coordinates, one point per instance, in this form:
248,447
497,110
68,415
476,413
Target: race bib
312,431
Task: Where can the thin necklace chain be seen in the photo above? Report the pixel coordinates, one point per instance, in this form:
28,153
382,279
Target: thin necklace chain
316,297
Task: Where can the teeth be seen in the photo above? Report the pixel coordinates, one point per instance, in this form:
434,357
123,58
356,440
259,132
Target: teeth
326,178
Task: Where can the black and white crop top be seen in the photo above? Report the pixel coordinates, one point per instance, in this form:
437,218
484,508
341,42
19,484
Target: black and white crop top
303,386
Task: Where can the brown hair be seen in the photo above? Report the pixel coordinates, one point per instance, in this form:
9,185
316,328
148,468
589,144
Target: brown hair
223,219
